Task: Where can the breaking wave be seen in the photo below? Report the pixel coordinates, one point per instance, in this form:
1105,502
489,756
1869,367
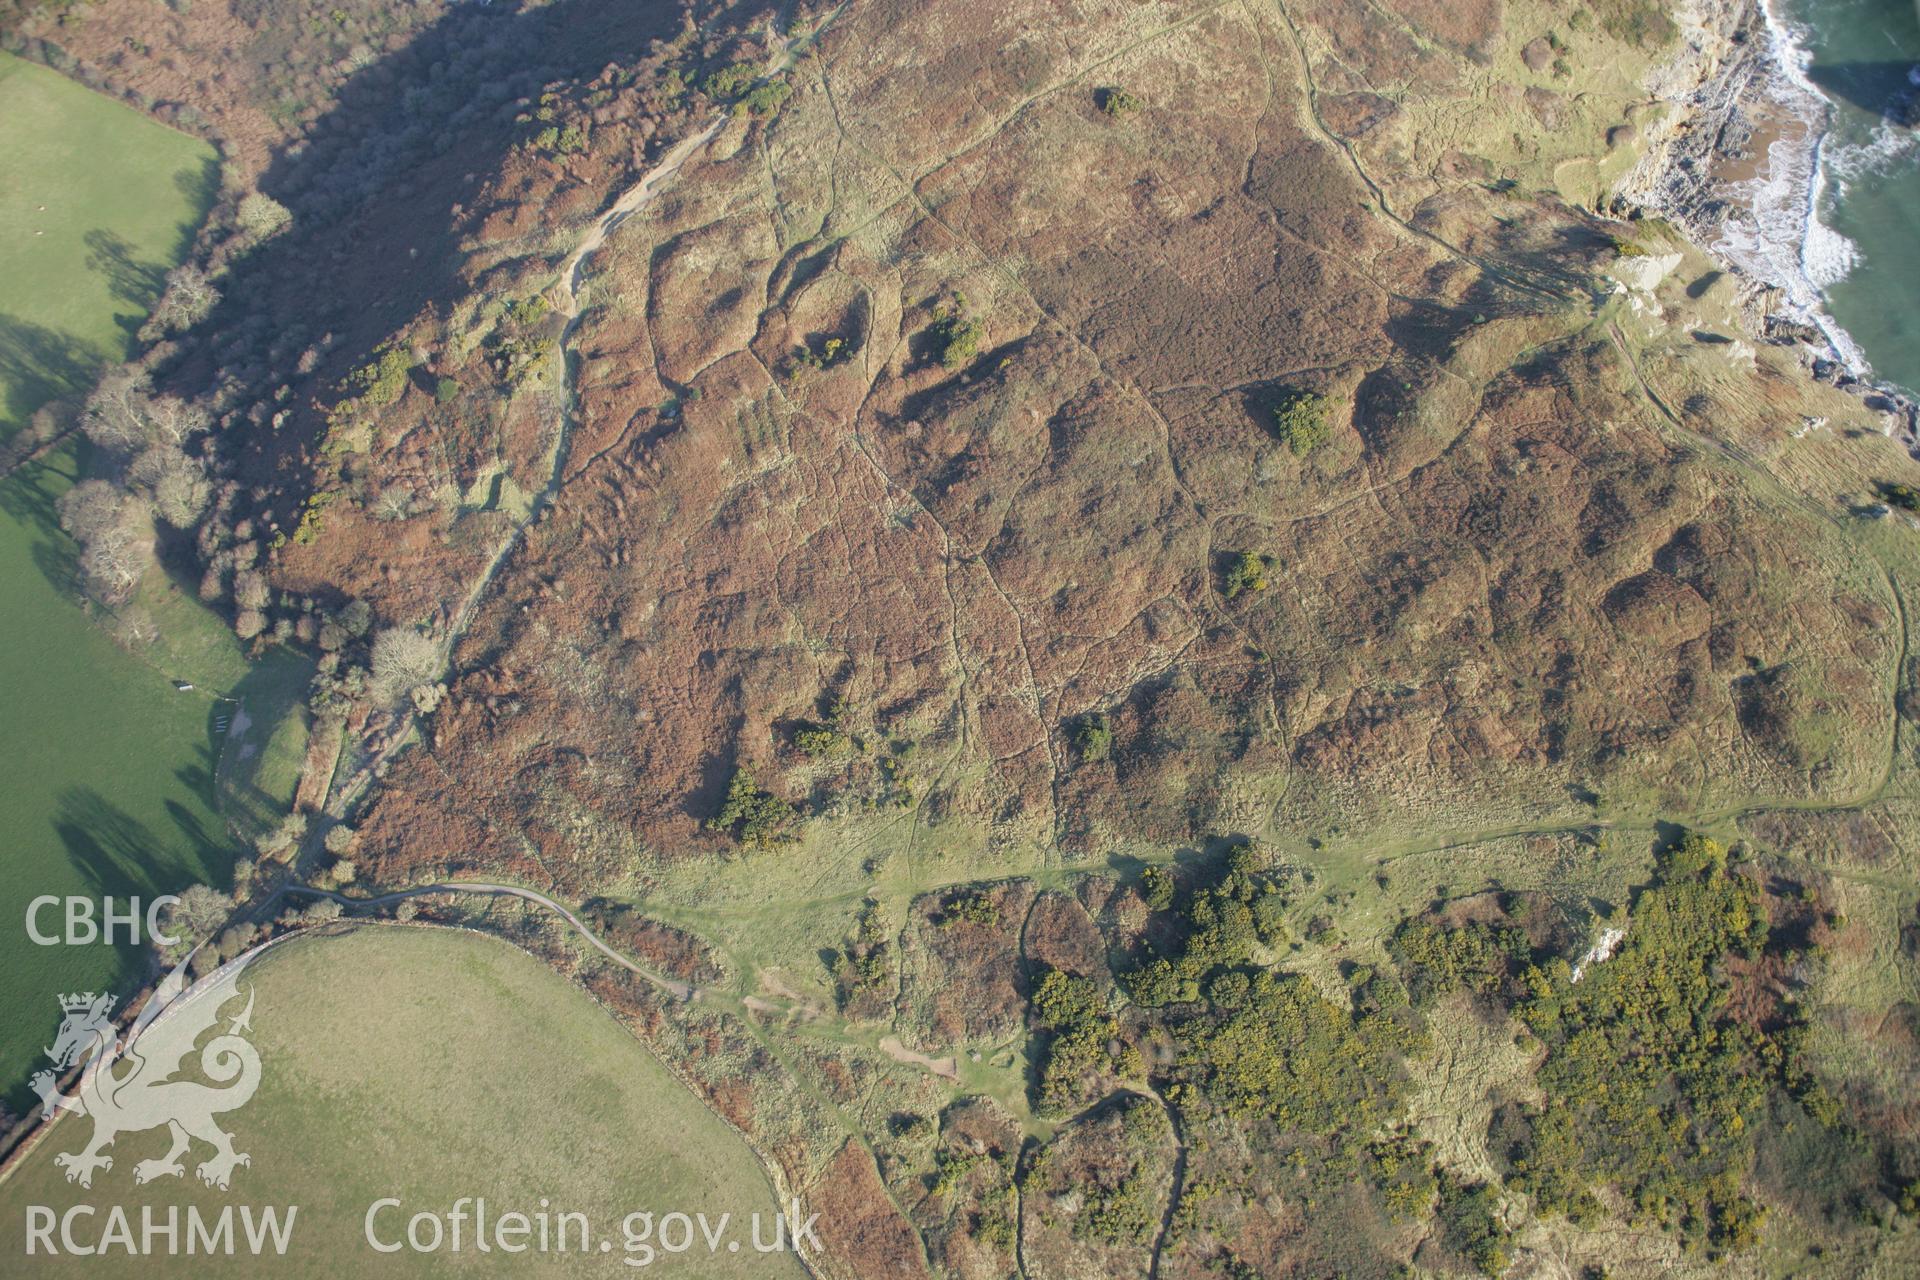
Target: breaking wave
1778,235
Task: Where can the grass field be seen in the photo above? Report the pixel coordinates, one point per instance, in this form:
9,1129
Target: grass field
96,205
108,787
427,1065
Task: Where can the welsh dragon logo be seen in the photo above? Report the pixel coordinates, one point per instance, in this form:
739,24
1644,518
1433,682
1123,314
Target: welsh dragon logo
130,1086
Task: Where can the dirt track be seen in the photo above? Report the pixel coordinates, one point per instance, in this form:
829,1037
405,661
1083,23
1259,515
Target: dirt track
629,202
682,990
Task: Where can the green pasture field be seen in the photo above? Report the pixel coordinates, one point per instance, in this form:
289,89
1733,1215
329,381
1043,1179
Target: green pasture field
426,1064
109,780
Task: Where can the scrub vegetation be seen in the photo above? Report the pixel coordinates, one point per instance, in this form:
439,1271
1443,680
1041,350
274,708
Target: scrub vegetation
1113,674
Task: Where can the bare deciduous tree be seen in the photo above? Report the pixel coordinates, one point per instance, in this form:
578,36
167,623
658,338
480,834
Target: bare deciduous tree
357,617
197,914
179,486
283,840
123,416
189,298
50,420
115,533
403,658
175,420
236,938
250,590
321,912
261,216
133,627
115,415
394,503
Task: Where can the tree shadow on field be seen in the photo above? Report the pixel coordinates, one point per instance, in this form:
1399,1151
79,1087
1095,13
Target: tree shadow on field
1704,285
189,822
704,799
28,496
128,279
198,776
1568,256
201,186
121,856
38,364
57,557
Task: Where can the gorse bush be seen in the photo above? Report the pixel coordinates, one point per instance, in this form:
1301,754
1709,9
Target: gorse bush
1477,957
565,140
1302,423
1245,572
1219,926
1285,1052
969,908
807,359
754,816
1078,1041
1651,1085
862,969
1470,1223
1123,1214
518,360
530,310
1093,738
820,742
383,380
764,99
728,83
740,85
831,740
1157,887
955,335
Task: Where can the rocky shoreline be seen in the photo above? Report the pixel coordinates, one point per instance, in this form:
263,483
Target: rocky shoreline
1731,102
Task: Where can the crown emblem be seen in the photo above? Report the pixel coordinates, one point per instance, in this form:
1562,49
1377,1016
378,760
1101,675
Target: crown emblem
77,1004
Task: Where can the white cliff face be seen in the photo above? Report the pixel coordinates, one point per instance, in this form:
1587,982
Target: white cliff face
1644,273
1601,951
1637,277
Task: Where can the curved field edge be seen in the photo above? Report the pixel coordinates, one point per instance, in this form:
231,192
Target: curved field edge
427,1065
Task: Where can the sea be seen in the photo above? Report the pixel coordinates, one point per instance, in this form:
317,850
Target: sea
1844,222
